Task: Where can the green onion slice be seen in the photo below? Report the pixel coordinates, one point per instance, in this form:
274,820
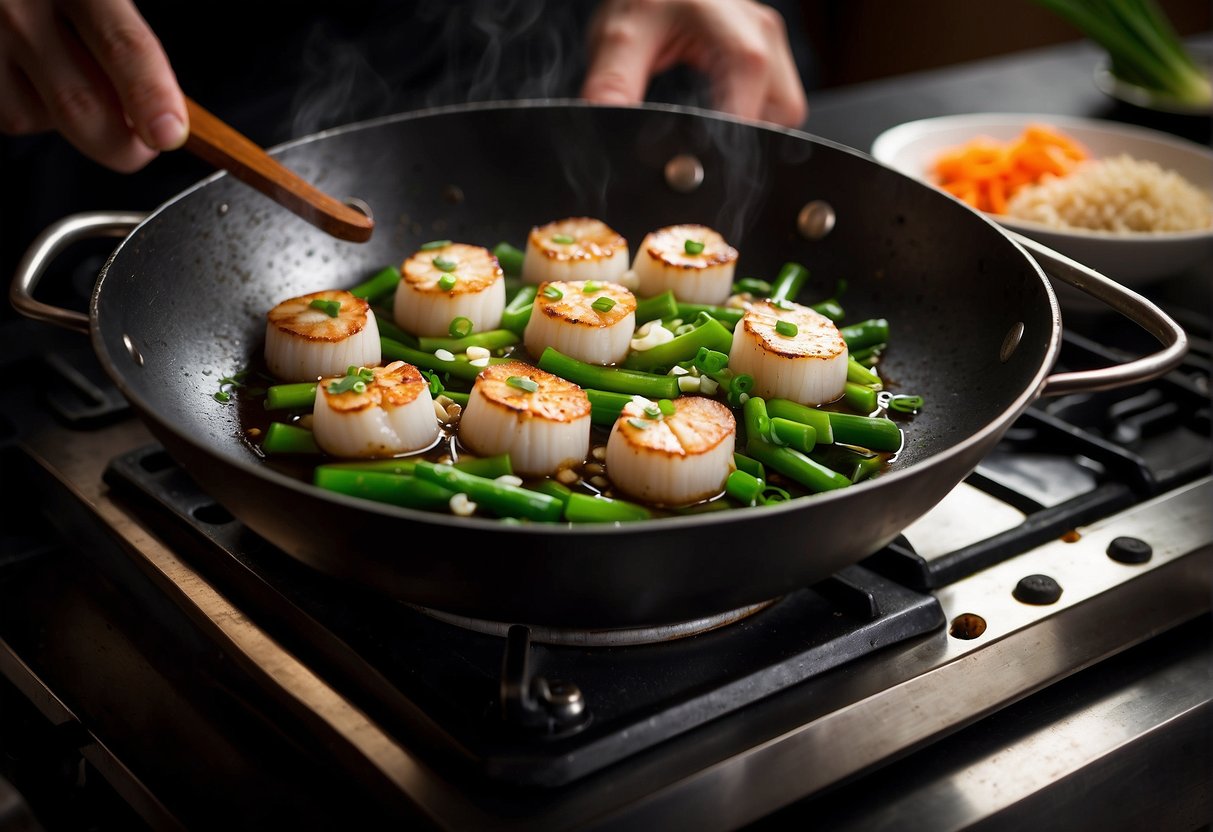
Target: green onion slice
693,247
447,282
603,304
522,383
652,411
460,327
444,264
562,239
666,407
905,404
329,307
552,293
639,424
786,329
433,244
591,286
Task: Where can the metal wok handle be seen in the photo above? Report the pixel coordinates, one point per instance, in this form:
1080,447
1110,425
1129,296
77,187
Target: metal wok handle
49,245
1125,301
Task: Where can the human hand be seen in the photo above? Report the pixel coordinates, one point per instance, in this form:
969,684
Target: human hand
94,71
740,45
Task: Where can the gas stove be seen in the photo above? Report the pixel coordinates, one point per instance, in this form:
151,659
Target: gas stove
1041,634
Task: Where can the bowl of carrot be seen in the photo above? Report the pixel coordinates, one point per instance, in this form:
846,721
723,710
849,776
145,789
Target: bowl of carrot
1132,203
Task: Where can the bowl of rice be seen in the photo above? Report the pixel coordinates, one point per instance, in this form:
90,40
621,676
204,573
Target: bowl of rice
1134,204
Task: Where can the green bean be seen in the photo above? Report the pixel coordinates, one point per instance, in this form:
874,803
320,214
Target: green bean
389,330
727,315
281,438
509,258
383,487
868,355
832,309
865,333
796,435
860,398
491,467
744,488
611,379
518,311
819,419
757,422
553,488
379,286
865,431
854,463
754,286
458,368
294,396
491,339
658,306
584,508
789,281
606,406
859,374
797,466
750,465
711,334
500,498
458,398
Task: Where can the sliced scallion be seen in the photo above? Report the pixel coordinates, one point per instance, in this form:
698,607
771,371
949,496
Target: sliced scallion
460,327
693,247
562,239
447,282
444,264
522,383
332,308
603,304
435,244
786,328
552,293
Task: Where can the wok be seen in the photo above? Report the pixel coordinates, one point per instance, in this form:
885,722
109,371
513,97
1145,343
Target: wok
975,331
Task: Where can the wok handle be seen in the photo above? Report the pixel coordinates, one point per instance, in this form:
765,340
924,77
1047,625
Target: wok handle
1125,301
49,245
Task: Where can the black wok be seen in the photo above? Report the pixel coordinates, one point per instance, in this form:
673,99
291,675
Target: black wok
182,303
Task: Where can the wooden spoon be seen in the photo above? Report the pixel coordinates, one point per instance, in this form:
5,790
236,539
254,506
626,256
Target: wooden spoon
218,144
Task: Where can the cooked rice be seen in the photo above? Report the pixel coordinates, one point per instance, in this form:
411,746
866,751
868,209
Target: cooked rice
1118,193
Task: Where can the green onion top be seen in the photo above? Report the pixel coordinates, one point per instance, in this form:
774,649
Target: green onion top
666,407
447,282
591,286
552,293
522,383
433,244
355,381
693,247
603,304
562,239
329,307
460,327
786,329
444,264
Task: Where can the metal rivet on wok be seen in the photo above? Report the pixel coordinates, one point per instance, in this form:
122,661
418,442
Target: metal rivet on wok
132,350
684,173
1011,342
360,206
815,220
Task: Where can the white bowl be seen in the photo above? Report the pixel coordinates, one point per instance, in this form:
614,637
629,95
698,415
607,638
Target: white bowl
1133,259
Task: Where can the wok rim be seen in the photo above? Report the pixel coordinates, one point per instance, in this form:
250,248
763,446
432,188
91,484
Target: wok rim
989,433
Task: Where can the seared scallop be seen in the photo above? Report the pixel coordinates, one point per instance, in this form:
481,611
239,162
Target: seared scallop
542,421
374,412
672,457
692,261
320,334
791,351
576,248
439,285
587,319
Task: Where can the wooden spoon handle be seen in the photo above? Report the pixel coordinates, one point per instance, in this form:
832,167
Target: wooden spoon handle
218,144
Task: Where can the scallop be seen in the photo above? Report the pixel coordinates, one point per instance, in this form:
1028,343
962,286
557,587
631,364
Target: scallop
692,261
675,459
541,420
576,248
320,334
438,285
388,414
791,351
586,319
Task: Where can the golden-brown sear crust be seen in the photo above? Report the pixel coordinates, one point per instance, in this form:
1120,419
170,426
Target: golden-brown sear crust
668,247
296,316
576,306
395,385
475,270
698,425
592,240
556,400
816,336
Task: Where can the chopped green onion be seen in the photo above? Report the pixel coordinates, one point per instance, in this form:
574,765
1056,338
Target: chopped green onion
332,308
603,304
562,239
710,361
522,383
744,488
383,282
906,404
693,247
293,396
786,328
444,264
447,282
666,407
753,286
639,424
282,438
584,508
433,244
460,327
658,306
552,293
518,311
652,411
223,397
788,282
591,286
344,385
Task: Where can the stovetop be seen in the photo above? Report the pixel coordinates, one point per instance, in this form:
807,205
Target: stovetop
1086,533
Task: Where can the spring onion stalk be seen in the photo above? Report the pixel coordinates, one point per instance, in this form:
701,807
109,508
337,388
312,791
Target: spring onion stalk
518,311
1141,43
789,281
709,361
294,396
865,333
750,465
281,438
387,329
757,422
553,489
383,487
869,355
773,495
378,287
611,379
711,334
875,434
860,398
459,368
509,258
458,398
727,315
796,466
585,508
796,412
482,466
606,406
753,286
660,306
499,498
832,309
744,488
796,435
853,463
491,339
859,374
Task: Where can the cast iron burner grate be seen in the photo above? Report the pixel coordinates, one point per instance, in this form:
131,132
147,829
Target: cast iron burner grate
519,711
